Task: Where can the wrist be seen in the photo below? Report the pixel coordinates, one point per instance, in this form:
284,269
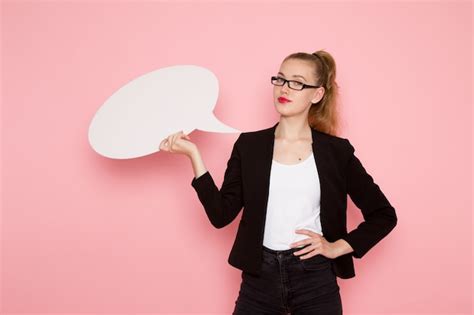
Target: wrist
193,153
342,247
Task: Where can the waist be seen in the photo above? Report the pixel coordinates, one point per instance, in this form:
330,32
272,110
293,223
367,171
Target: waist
285,252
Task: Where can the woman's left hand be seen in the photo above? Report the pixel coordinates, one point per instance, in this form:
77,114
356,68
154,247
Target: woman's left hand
318,245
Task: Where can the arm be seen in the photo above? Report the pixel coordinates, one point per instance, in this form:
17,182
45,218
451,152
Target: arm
221,206
379,216
342,247
198,164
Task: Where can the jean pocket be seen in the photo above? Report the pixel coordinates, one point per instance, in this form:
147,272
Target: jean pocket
268,259
318,262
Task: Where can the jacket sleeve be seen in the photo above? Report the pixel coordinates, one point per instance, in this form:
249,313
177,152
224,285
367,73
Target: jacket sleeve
222,206
379,215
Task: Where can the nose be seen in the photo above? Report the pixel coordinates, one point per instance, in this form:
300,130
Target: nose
285,87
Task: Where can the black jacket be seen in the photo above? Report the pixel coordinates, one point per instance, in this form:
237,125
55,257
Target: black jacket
246,184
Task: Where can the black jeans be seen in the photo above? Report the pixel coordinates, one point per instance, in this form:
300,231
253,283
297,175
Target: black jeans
290,285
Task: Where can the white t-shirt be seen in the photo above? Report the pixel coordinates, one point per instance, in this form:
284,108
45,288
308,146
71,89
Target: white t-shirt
294,203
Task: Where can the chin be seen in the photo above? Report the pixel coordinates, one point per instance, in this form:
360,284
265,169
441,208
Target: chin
285,111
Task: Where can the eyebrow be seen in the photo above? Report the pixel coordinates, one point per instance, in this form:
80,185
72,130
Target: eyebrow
295,76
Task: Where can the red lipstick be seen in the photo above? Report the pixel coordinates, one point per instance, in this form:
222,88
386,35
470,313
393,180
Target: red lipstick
283,100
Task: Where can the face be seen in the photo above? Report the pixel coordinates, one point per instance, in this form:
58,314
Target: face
303,72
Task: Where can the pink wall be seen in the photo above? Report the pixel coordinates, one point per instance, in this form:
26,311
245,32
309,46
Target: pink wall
85,234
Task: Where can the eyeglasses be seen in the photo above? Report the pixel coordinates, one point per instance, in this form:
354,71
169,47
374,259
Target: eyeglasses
295,85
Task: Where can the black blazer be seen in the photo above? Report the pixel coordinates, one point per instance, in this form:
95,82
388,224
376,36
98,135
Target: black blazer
246,184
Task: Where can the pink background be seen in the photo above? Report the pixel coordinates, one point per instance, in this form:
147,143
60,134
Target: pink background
85,234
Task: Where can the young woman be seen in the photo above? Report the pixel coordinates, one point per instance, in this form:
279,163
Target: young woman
292,180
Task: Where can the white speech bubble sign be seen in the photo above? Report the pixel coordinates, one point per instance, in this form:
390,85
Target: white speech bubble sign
137,117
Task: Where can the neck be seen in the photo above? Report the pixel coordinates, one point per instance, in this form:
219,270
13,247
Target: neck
290,128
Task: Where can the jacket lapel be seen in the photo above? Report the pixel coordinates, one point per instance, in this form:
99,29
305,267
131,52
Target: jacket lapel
321,158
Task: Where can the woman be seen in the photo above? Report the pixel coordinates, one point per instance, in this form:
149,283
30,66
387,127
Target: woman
292,180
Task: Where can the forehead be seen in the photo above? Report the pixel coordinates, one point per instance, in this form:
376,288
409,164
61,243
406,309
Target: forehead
296,68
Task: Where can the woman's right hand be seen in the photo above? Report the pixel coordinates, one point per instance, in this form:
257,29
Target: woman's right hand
178,143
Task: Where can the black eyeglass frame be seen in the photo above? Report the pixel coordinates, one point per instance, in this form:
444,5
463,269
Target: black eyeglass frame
305,86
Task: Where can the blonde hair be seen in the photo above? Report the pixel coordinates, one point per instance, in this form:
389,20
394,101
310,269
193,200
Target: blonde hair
323,115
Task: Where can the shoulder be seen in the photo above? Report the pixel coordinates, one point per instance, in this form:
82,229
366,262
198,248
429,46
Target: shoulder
259,132
255,137
337,142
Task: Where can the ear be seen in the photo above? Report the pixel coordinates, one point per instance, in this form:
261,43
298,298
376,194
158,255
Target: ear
319,95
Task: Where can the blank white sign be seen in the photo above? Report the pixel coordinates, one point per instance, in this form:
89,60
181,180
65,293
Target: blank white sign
138,116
